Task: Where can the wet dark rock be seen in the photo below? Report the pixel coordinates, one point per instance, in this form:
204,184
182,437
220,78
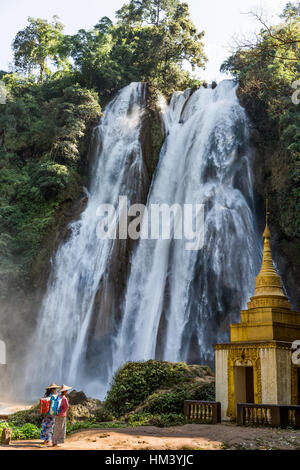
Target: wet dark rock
77,398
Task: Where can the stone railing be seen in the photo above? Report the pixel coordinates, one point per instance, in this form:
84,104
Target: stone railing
208,412
249,414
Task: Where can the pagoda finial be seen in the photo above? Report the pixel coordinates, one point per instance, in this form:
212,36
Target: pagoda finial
267,233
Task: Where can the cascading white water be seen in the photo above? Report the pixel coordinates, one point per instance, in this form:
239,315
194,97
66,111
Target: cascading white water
80,264
177,301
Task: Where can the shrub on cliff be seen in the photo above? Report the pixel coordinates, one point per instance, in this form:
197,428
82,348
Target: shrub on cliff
164,402
136,381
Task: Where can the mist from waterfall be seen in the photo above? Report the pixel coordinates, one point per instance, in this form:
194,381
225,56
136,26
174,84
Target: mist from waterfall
172,304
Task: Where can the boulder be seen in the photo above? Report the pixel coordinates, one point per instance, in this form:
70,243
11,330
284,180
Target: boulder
77,398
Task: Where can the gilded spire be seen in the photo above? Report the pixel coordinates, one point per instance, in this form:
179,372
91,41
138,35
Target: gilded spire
268,281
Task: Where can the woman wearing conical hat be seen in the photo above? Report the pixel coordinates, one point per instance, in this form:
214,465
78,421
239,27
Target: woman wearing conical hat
61,420
48,422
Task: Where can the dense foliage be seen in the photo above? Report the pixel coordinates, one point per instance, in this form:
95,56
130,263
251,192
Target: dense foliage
42,130
267,70
21,432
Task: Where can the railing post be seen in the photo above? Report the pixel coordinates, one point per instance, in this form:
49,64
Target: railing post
216,413
284,416
219,415
297,417
275,416
186,410
240,414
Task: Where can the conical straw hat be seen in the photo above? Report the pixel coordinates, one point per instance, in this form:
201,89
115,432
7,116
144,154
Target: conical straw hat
65,388
52,386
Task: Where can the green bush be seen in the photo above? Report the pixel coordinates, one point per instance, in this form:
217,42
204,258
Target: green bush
31,416
166,402
26,431
173,401
167,419
135,381
207,392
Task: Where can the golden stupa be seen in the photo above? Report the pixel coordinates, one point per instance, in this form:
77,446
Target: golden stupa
256,366
269,315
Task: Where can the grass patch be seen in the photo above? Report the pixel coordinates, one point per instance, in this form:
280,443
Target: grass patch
160,420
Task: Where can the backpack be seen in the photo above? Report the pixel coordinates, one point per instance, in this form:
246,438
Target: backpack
55,404
44,405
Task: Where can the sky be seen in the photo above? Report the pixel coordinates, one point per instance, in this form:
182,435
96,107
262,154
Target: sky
221,20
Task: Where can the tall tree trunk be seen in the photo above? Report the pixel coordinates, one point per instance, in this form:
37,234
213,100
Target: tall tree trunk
42,69
157,13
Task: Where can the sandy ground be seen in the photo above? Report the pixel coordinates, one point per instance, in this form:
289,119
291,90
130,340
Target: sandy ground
188,437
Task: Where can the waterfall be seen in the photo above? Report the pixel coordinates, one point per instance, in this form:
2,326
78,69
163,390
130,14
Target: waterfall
179,302
80,266
111,301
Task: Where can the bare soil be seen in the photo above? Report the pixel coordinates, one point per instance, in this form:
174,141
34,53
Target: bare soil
188,437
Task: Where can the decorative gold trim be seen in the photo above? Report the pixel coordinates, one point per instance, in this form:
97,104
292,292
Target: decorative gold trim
243,355
256,345
269,301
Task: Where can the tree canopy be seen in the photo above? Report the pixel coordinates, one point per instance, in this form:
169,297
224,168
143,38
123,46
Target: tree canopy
151,41
151,12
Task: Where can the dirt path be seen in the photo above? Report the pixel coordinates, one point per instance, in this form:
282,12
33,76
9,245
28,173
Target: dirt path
190,436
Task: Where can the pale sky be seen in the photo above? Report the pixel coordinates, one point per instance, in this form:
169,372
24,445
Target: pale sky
220,19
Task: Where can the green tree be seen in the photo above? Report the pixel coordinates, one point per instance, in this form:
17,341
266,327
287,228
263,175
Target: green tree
150,42
37,43
291,11
153,12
